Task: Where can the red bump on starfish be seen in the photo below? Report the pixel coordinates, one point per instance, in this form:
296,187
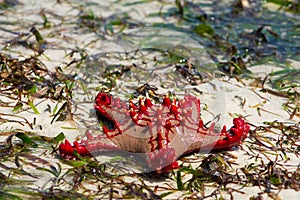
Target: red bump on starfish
165,131
67,150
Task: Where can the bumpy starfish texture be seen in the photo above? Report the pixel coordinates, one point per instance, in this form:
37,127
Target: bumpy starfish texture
161,131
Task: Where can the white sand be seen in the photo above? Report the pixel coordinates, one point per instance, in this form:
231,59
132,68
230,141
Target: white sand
64,37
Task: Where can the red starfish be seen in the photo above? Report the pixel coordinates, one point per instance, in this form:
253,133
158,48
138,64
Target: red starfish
163,132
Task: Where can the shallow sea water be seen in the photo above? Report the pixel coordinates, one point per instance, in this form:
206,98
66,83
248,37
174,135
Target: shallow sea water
87,39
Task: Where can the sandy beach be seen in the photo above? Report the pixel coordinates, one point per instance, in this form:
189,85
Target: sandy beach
64,49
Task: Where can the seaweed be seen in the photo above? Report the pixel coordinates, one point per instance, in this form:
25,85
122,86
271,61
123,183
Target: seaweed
238,36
